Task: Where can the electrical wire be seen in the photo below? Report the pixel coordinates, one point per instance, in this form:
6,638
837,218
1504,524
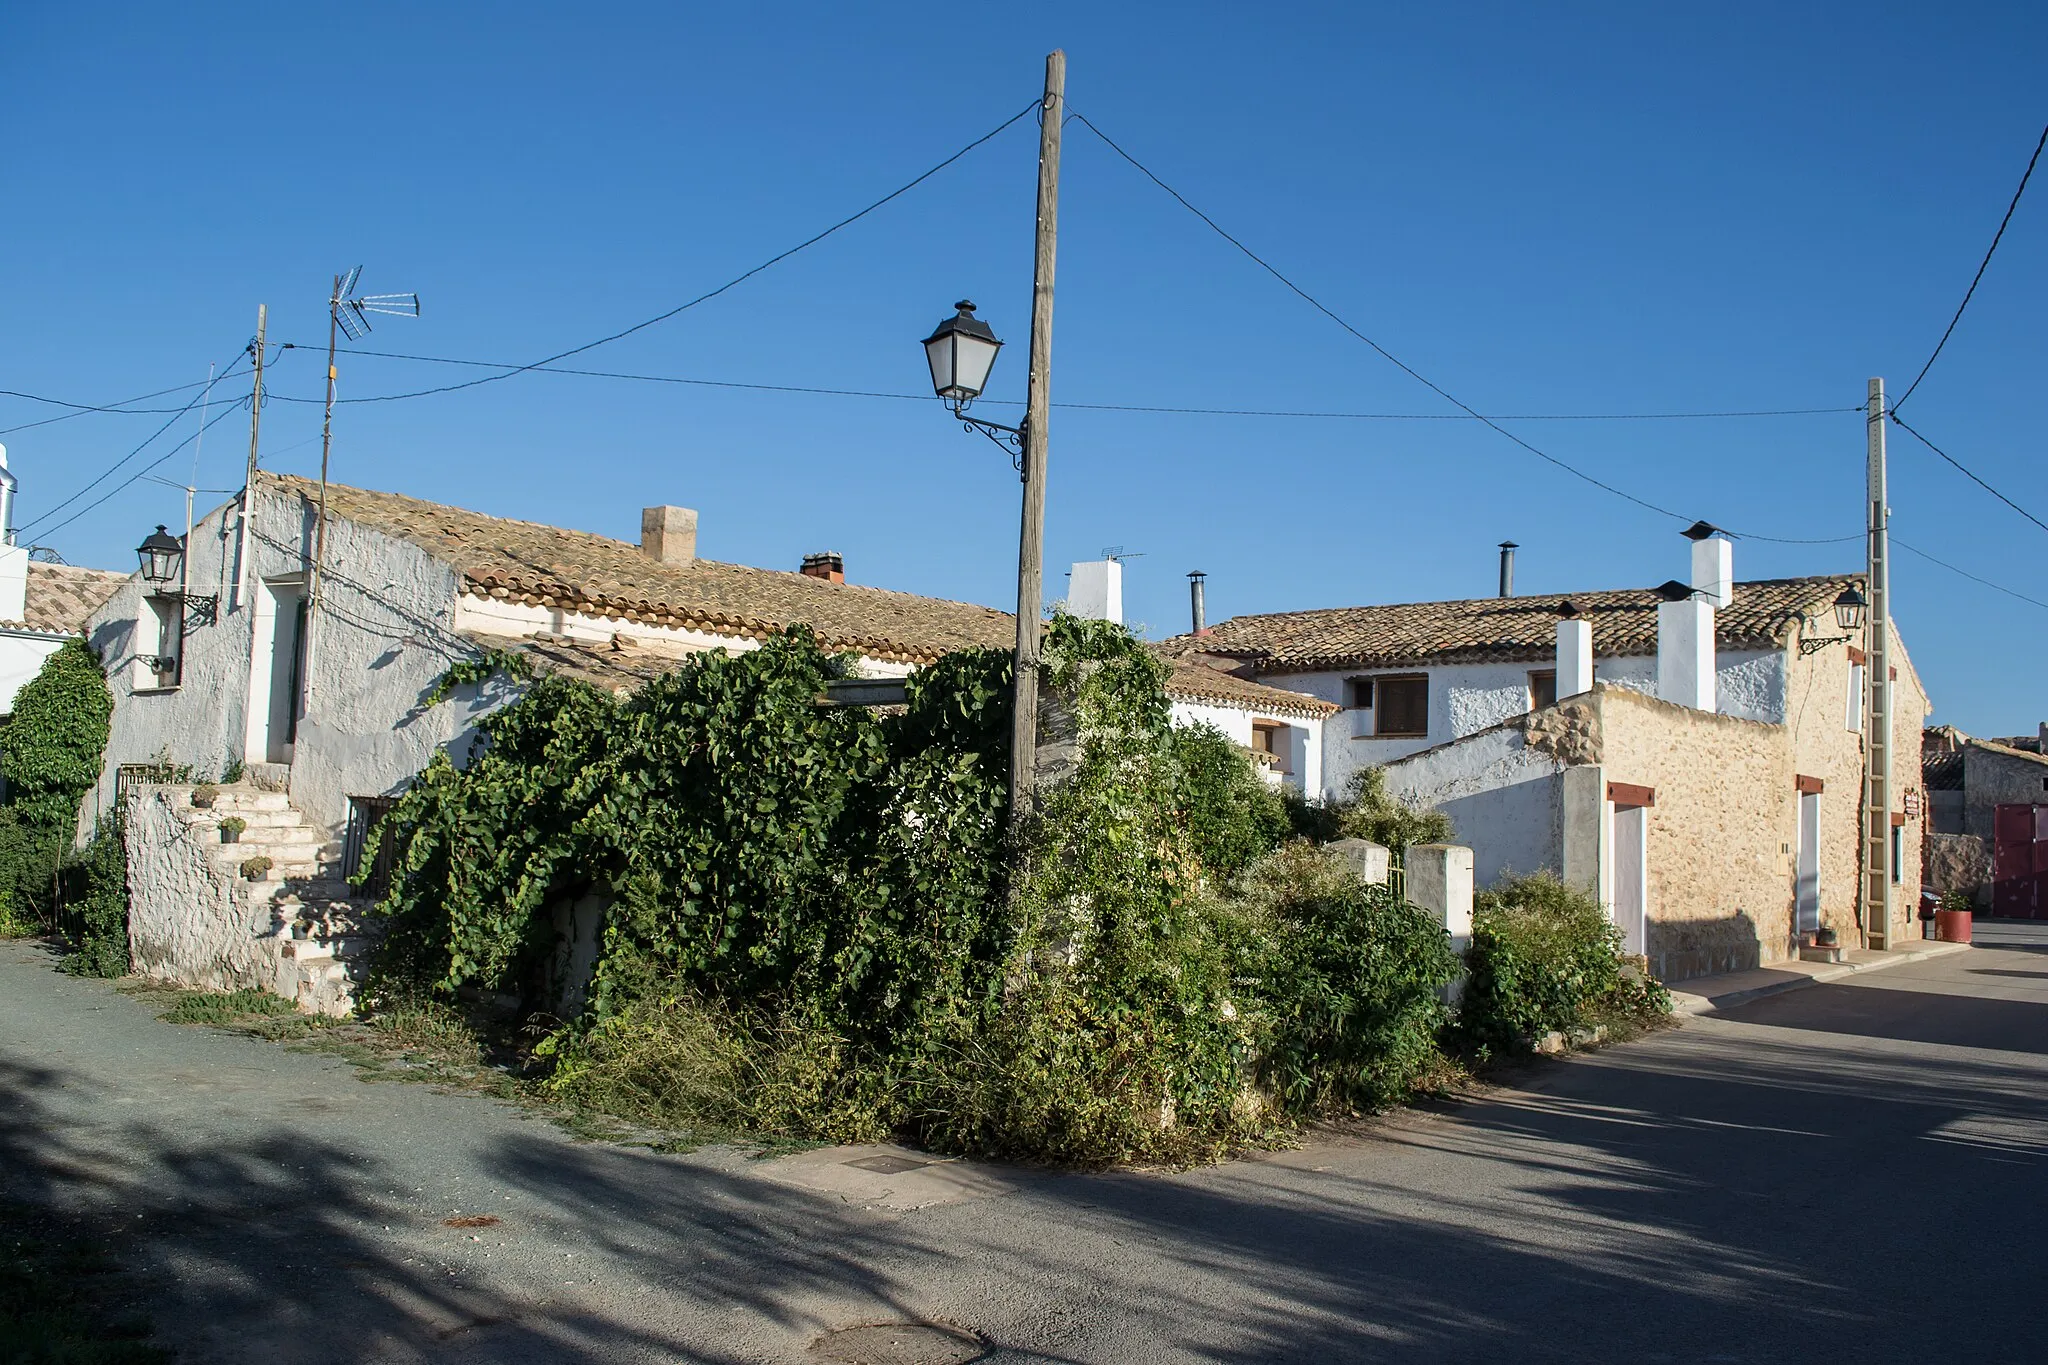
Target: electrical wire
110,471
1978,278
1083,407
229,411
1967,472
120,409
736,280
1995,587
1407,369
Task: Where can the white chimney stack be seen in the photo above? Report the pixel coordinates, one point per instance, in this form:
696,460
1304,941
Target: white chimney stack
1574,653
13,558
1095,590
1713,563
1685,647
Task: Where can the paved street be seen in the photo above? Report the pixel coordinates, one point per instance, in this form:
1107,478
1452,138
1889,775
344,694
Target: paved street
1852,1171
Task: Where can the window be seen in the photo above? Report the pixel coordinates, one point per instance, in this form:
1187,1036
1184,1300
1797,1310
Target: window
1854,719
1270,737
1898,858
1358,698
1542,688
159,631
1402,707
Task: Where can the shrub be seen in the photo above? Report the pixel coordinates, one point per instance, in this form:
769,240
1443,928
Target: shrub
1350,979
50,757
1956,901
95,880
12,923
1231,813
1544,957
1367,810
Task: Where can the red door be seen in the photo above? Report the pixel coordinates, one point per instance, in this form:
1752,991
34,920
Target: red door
2019,862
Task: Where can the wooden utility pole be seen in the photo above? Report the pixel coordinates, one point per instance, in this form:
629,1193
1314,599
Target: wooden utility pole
249,479
1052,113
326,444
1877,743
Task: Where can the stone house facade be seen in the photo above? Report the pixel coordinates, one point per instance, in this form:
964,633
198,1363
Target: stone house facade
1968,780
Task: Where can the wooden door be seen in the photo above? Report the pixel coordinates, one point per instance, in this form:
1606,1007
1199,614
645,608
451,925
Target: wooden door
2019,861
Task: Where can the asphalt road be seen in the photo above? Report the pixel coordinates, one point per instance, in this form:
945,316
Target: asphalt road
1854,1172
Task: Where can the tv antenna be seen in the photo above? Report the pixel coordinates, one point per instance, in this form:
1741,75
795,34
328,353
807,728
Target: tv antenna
348,313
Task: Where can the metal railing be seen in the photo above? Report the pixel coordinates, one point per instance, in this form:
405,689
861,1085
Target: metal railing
365,813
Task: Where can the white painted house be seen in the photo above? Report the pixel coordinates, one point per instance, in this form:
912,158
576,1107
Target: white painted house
41,605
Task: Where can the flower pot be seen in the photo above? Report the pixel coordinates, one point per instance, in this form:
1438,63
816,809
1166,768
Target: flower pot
1952,926
1824,938
231,836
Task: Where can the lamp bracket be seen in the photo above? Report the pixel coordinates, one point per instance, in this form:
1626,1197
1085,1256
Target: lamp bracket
200,609
1807,647
1010,439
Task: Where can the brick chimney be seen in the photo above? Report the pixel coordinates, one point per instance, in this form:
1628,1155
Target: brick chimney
669,534
827,565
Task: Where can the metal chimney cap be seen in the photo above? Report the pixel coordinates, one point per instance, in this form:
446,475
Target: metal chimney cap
1568,609
1672,590
1196,573
1701,530
1509,545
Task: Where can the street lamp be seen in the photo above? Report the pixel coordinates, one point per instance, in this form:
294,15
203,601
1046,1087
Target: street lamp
961,351
162,556
1849,609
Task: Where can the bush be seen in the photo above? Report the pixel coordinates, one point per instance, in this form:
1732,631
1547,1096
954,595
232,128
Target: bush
1367,811
50,755
1350,979
1231,813
95,881
1544,957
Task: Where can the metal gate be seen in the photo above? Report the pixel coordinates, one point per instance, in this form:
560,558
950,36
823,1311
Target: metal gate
2019,862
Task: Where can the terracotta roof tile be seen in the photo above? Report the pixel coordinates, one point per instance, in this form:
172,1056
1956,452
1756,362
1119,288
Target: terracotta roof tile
1503,629
526,561
1205,679
62,597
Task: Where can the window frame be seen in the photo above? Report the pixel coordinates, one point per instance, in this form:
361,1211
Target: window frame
1379,715
1535,703
159,633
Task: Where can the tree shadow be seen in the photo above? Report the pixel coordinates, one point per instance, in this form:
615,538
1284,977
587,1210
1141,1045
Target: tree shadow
1869,1011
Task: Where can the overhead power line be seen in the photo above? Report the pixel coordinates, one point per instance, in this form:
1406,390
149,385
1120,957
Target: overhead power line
226,412
710,294
1083,407
206,388
1979,276
120,409
1967,471
1995,587
1470,412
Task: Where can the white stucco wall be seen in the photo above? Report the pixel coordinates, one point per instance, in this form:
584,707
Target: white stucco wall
381,642
1467,698
1305,737
22,655
1505,798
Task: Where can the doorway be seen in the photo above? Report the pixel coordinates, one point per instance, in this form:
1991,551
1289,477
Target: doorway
277,670
2019,861
1806,893
1630,842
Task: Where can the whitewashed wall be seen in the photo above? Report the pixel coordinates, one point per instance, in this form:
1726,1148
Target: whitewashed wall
1467,698
1305,736
1505,799
22,655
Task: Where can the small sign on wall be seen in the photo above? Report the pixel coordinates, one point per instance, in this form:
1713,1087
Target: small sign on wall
1912,805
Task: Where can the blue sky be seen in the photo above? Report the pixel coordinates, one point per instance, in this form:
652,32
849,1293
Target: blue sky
1546,209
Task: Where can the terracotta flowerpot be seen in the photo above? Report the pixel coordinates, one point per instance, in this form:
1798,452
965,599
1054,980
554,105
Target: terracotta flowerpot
1952,926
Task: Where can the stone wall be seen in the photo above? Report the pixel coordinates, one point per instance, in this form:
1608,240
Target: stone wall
189,922
1960,862
1720,878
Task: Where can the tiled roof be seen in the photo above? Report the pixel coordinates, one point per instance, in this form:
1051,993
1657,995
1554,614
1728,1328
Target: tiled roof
524,561
1490,629
62,597
1942,771
1193,679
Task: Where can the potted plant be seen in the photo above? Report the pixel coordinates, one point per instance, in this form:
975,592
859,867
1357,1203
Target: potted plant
231,829
256,868
204,795
1952,917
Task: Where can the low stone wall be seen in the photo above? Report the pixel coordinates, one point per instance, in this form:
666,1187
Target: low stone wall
189,923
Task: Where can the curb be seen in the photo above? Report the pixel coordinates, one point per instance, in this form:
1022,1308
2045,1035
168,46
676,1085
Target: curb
1691,1003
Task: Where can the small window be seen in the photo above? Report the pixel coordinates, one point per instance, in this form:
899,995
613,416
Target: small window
1542,688
159,632
1270,738
1854,716
1403,707
1358,699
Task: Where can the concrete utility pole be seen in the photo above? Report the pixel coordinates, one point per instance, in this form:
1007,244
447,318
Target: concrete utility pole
1877,746
1052,112
249,479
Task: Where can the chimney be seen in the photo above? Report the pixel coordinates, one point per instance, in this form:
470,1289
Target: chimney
1713,563
13,558
1196,579
1507,567
1685,647
669,534
1095,590
1574,652
828,566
